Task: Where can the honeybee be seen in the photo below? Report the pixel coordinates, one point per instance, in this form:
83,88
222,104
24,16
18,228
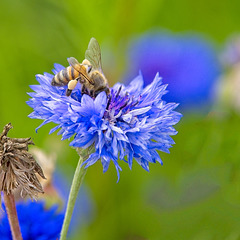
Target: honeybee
71,75
89,73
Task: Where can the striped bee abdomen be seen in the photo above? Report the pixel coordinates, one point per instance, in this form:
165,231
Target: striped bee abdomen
64,76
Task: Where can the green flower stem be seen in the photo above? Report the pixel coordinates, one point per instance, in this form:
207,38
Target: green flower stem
9,202
76,184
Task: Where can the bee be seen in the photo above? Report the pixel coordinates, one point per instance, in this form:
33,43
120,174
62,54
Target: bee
89,73
71,75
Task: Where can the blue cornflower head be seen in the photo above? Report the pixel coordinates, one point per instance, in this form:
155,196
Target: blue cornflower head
187,62
36,222
131,122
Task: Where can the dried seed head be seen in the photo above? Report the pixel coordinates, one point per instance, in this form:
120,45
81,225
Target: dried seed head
18,168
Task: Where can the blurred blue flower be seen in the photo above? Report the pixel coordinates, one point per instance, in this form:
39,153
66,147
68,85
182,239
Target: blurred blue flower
188,63
36,222
132,122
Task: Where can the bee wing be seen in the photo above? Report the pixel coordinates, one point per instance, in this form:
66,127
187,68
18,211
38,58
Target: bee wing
79,67
75,64
93,54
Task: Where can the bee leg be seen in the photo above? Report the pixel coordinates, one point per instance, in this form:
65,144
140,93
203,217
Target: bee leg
68,92
92,94
71,85
84,90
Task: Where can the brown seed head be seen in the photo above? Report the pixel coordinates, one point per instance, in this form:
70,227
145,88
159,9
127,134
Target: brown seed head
18,168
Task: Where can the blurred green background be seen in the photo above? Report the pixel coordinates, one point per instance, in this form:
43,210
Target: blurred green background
196,193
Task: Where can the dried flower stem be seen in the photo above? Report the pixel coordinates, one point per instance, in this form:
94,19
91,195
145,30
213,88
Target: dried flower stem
76,184
12,216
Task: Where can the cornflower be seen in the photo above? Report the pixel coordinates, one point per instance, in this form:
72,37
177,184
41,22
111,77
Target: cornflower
131,122
188,63
36,221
